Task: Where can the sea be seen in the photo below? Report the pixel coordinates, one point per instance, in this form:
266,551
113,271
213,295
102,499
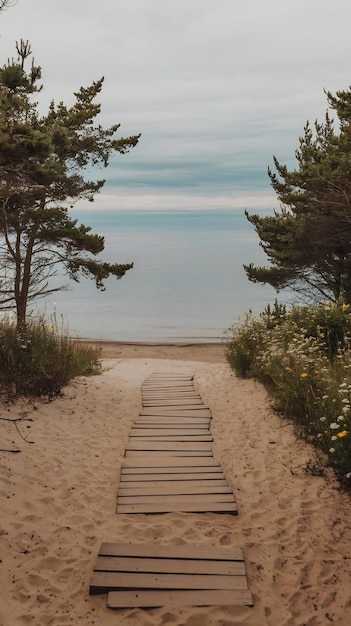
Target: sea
187,284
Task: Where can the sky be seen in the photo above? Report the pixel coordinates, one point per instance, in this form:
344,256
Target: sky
215,87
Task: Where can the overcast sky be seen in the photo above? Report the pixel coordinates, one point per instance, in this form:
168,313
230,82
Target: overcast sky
216,87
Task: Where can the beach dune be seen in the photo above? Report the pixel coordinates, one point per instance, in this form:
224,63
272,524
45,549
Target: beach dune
59,473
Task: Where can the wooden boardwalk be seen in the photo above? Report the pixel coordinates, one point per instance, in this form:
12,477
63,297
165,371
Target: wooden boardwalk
151,575
169,467
169,462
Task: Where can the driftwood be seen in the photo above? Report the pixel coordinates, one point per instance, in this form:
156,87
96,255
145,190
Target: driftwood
15,421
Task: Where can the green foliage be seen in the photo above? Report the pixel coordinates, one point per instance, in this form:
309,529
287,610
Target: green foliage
43,160
307,241
303,358
41,359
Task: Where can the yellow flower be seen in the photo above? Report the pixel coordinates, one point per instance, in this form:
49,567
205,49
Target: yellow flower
343,433
304,375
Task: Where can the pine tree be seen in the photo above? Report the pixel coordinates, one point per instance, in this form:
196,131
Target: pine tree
308,240
42,162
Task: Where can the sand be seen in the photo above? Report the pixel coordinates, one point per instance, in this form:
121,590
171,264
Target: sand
58,501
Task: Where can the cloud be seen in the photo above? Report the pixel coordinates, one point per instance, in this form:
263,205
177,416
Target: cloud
215,88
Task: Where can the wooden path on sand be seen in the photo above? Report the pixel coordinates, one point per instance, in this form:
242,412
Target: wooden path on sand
169,467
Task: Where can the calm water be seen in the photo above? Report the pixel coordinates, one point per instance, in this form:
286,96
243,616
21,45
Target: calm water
187,283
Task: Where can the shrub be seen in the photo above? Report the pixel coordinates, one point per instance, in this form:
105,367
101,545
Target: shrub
303,359
39,360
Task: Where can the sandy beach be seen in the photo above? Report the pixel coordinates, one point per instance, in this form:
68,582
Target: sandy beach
58,501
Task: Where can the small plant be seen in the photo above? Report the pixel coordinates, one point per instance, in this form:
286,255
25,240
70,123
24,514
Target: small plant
315,465
39,360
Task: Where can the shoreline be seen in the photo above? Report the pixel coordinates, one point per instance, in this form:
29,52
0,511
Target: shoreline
209,352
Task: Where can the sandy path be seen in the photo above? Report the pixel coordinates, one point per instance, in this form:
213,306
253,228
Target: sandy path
58,499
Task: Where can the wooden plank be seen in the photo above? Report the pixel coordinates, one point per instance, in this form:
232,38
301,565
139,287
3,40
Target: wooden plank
160,597
174,421
172,390
168,382
193,412
140,453
171,476
156,461
170,375
140,471
102,582
178,402
197,446
177,499
169,487
169,566
209,507
171,399
166,431
151,437
160,484
169,551
168,385
184,423
176,393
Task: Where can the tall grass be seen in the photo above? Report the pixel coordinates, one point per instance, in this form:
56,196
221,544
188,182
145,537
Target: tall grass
40,359
303,358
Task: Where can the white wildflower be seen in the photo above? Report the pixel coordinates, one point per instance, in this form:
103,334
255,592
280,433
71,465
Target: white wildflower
334,426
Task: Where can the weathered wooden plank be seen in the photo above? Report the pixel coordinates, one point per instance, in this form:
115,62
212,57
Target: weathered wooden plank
132,468
172,389
164,437
166,431
181,507
171,476
169,551
169,566
157,461
160,597
169,386
175,389
164,400
178,402
102,582
184,423
140,453
171,488
161,382
193,412
173,374
159,446
177,499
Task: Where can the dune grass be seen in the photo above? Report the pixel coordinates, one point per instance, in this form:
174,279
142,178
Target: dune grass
41,359
303,357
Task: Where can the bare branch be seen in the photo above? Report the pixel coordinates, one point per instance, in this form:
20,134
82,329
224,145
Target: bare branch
5,4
